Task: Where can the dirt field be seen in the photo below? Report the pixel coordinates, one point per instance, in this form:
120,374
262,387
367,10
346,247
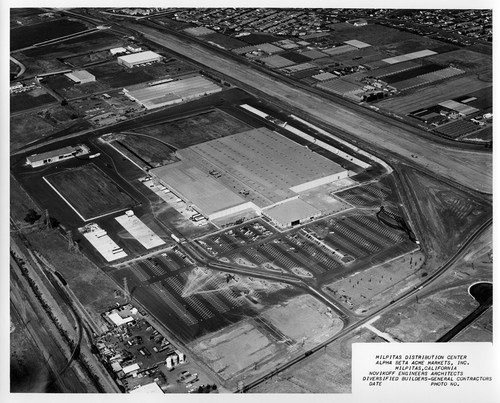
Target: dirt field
441,306
447,214
371,34
25,128
325,372
91,192
28,35
416,44
465,59
254,346
197,129
30,99
304,319
151,151
91,286
373,287
431,95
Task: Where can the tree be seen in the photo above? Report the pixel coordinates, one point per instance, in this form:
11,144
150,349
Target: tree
32,216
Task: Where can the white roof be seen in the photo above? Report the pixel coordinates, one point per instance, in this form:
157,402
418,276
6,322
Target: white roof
118,320
137,57
149,388
80,75
131,368
357,44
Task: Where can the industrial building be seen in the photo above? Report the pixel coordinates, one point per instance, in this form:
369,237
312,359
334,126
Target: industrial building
258,170
138,58
172,92
50,157
80,76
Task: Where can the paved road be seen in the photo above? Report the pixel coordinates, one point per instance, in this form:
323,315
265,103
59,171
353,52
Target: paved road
472,169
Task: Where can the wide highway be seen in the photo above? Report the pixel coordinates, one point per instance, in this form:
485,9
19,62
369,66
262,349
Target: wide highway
470,168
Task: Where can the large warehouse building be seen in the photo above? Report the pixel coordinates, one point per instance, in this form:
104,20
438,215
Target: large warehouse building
80,76
172,92
138,58
257,169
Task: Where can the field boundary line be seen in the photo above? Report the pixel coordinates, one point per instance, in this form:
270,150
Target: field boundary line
62,197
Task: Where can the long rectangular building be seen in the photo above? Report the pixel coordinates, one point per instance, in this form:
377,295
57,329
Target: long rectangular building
256,169
172,92
135,59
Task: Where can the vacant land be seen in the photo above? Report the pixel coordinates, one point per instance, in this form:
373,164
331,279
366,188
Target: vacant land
305,320
372,34
465,59
328,371
253,347
90,191
32,126
30,99
431,95
366,290
197,129
28,35
149,150
96,291
415,44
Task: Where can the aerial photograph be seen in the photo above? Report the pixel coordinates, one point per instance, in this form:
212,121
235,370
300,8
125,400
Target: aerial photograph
228,200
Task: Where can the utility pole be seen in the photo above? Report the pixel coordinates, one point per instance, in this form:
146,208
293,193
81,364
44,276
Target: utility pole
48,224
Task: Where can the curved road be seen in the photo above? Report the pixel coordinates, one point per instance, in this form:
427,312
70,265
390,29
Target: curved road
472,169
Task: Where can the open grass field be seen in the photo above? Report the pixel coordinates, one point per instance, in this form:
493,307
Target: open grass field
87,58
225,41
92,287
149,150
30,99
32,126
465,59
432,95
196,129
372,34
90,191
26,36
416,44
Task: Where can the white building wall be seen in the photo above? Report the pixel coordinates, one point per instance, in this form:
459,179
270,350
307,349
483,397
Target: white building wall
233,210
318,182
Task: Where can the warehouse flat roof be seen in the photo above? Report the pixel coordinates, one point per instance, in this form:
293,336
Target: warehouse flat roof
290,211
198,186
409,56
138,57
172,90
149,388
357,44
80,75
265,163
140,231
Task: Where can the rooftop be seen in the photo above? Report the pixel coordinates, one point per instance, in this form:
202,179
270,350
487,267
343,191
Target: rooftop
290,211
137,57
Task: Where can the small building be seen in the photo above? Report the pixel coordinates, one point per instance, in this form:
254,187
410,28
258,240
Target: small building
80,76
16,87
149,388
50,157
131,369
291,213
138,58
134,49
358,22
117,51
